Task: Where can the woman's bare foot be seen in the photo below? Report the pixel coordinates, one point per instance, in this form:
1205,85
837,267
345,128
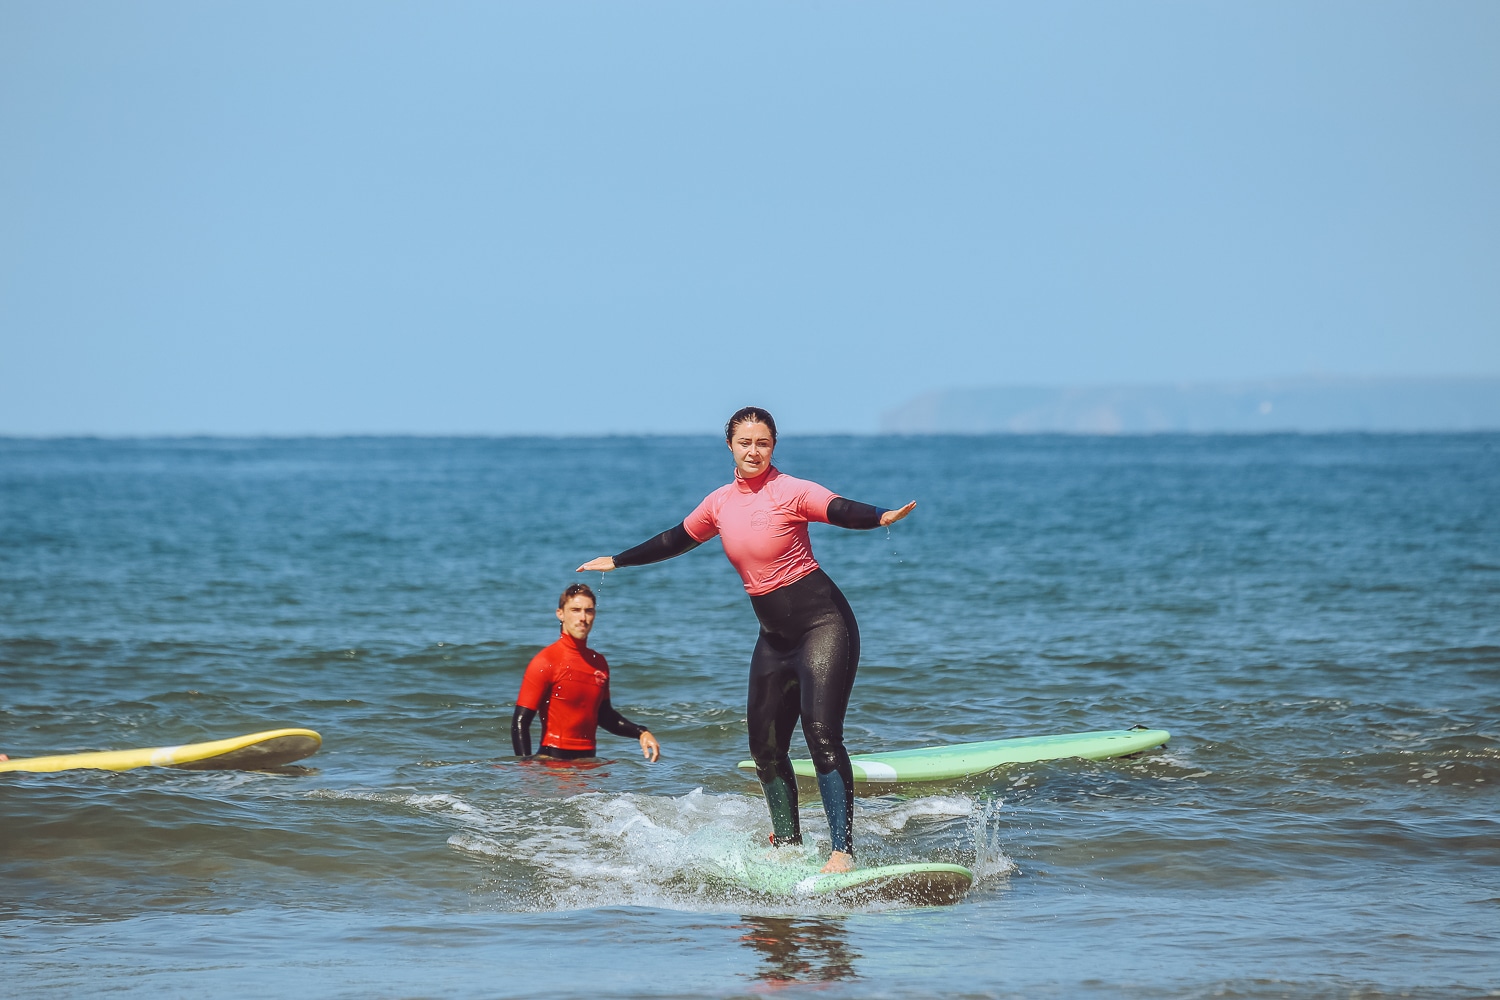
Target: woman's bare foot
838,861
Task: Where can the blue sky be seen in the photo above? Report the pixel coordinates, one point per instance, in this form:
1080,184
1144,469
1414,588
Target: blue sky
620,217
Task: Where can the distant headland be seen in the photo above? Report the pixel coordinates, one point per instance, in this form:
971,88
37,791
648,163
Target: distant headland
1308,405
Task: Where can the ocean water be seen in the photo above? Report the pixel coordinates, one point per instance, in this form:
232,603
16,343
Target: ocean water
1315,618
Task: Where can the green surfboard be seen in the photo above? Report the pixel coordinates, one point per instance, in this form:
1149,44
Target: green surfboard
929,884
957,760
923,884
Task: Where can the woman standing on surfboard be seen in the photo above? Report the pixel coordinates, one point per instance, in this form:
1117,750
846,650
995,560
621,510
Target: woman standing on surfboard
808,650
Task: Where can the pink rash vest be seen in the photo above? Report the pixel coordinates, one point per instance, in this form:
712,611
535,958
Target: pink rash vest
762,523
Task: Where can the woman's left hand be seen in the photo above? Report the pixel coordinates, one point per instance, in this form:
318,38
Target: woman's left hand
890,517
650,749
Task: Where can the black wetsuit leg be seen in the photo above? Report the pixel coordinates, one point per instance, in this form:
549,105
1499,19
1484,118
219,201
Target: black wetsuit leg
803,666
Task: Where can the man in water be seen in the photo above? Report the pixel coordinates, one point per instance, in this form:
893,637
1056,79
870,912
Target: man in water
568,684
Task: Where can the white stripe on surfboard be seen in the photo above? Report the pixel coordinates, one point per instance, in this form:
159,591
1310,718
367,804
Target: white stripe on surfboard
876,771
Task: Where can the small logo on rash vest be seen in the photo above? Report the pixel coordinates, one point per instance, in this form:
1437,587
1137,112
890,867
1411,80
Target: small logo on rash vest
760,520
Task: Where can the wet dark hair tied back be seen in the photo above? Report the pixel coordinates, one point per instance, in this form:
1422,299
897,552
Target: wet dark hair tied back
576,590
751,415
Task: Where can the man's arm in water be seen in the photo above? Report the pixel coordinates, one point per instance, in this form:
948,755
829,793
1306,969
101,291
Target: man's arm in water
616,723
520,731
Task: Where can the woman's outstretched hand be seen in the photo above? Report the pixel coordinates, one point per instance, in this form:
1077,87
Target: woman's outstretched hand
887,519
603,564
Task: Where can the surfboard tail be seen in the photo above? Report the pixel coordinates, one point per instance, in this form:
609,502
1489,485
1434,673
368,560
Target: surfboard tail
256,751
274,752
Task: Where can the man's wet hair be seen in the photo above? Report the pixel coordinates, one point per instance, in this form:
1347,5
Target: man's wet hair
575,590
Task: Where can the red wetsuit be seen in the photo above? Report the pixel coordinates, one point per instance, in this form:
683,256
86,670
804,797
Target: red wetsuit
568,685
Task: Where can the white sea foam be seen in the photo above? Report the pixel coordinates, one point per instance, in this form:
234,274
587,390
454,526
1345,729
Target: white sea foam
986,830
432,802
475,843
887,818
696,851
1169,756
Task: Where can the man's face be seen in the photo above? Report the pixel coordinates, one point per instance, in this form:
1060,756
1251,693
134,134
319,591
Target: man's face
577,617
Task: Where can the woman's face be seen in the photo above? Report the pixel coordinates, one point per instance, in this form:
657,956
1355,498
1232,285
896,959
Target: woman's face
752,445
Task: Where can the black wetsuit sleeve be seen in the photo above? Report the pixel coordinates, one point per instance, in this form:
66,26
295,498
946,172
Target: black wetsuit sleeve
853,514
616,723
520,731
672,542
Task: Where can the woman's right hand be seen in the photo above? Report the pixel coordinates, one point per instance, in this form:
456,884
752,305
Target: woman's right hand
601,565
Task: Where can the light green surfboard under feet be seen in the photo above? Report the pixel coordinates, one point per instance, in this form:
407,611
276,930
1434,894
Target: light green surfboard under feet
922,884
272,748
929,884
957,760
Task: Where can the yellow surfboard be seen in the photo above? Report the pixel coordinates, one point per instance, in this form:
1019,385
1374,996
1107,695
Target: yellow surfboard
272,748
